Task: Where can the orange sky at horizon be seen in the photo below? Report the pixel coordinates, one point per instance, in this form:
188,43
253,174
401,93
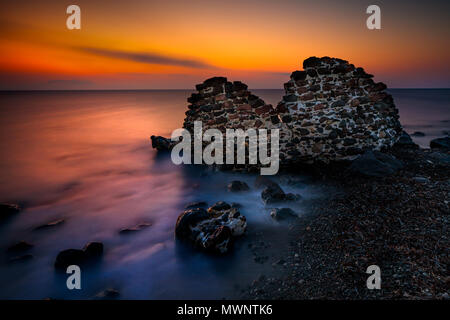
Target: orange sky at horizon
176,44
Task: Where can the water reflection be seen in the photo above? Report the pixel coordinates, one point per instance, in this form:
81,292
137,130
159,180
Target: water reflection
86,158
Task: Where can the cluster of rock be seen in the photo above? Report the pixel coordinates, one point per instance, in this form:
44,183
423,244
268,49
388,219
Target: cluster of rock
215,229
331,111
211,230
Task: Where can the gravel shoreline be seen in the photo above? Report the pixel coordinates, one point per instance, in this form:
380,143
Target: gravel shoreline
399,222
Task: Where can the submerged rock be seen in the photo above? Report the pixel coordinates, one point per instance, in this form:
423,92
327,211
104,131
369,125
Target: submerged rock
162,144
7,210
20,246
70,257
90,253
108,294
50,224
375,164
236,186
441,143
134,229
283,214
211,230
21,258
418,134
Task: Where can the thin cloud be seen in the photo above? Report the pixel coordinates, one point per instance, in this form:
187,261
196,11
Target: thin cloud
149,58
70,82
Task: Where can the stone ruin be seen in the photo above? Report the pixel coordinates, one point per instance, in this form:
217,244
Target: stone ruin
334,111
331,111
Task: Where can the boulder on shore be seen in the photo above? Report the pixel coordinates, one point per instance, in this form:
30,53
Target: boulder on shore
375,164
441,143
211,230
405,141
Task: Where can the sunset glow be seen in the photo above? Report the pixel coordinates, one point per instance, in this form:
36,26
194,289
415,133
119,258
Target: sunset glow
160,44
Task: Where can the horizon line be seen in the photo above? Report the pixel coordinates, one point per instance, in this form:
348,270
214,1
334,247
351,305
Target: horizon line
185,89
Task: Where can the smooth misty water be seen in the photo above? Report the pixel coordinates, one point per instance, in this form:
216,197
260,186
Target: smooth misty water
86,157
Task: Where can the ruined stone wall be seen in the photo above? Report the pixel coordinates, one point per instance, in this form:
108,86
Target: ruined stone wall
336,111
222,104
331,111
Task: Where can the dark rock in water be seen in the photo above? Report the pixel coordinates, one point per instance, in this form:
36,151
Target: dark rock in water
134,229
283,214
219,206
93,249
7,210
441,143
375,164
21,258
108,294
405,141
418,134
197,204
90,252
236,186
219,239
20,246
70,257
50,224
162,144
273,193
211,230
187,219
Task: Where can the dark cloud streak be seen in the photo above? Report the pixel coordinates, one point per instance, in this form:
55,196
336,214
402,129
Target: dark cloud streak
149,58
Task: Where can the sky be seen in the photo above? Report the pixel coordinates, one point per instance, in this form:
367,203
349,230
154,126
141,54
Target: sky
175,44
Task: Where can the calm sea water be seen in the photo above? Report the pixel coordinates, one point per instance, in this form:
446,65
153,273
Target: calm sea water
85,157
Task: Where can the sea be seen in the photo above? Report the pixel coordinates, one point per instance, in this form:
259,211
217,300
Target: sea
84,159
